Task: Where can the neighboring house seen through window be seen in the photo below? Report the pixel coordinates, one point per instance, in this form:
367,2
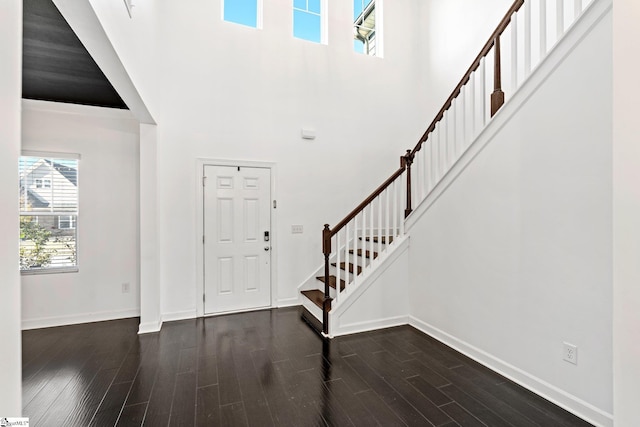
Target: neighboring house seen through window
364,27
48,213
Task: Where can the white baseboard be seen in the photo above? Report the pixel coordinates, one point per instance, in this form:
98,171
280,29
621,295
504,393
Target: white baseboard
540,387
178,315
149,327
288,302
49,322
354,328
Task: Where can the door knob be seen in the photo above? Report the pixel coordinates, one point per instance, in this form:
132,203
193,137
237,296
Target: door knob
266,248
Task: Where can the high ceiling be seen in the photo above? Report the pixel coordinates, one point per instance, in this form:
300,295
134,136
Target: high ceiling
56,66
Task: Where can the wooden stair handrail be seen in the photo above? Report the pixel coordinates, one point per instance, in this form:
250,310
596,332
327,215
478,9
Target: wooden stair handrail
366,201
497,99
504,23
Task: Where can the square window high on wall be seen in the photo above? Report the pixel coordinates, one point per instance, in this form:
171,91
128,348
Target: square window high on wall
309,20
367,27
244,12
48,212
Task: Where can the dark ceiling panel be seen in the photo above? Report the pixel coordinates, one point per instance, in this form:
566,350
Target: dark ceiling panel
56,66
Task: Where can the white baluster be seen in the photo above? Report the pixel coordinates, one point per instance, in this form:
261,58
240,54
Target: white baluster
355,251
543,28
483,92
421,174
338,251
577,9
403,200
514,52
387,194
363,258
438,153
417,169
370,245
454,133
379,223
448,149
472,89
395,206
559,18
347,245
527,38
463,118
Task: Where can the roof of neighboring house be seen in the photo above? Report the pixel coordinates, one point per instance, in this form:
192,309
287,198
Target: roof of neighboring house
36,201
68,172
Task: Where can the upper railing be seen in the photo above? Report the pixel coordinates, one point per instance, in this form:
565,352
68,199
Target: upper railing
361,239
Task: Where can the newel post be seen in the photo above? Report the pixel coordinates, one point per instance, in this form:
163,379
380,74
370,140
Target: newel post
497,97
326,304
405,162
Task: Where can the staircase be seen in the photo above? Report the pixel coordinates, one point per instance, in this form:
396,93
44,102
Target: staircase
367,237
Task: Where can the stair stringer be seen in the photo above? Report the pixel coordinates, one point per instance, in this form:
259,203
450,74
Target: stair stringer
381,297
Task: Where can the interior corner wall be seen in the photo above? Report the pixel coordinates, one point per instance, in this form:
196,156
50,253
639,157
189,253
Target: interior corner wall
515,257
626,213
108,143
10,93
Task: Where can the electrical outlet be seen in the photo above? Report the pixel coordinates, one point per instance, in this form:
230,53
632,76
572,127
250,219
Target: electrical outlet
296,229
570,353
125,288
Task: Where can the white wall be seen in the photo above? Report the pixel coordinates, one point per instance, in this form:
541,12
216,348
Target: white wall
515,257
383,303
626,213
10,92
222,91
107,141
452,34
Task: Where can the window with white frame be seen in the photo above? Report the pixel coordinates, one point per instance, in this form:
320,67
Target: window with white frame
48,212
244,12
66,222
309,20
366,19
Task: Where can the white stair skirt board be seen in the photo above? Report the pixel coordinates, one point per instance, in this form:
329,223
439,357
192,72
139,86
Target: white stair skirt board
553,394
594,13
49,322
380,300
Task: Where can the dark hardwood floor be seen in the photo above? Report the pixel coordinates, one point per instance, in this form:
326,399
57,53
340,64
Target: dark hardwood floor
265,368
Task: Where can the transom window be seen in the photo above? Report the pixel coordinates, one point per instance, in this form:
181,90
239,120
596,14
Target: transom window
365,28
48,213
308,20
244,12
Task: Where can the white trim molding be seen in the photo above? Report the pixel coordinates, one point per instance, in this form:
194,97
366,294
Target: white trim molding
49,322
540,387
178,315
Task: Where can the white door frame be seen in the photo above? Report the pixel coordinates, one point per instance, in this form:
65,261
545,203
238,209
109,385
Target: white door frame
200,164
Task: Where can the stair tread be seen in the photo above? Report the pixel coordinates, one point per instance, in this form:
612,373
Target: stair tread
316,296
332,282
343,266
376,239
367,253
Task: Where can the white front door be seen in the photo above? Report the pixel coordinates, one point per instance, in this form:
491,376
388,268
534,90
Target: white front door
237,238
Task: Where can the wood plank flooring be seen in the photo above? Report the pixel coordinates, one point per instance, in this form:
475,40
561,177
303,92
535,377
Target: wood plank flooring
265,368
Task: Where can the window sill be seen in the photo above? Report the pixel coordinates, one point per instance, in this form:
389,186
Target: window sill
49,271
